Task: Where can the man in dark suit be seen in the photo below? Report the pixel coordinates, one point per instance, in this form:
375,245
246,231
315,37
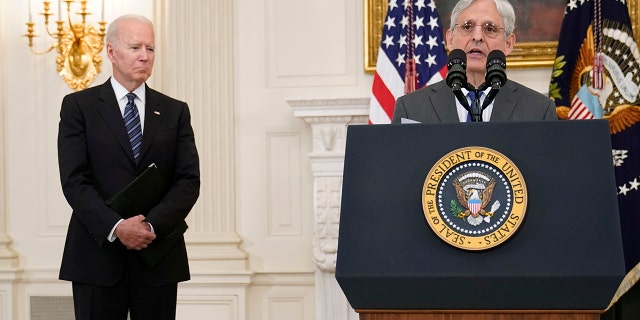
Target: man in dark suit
97,158
477,27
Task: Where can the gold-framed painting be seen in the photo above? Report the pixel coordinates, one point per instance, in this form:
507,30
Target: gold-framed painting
536,38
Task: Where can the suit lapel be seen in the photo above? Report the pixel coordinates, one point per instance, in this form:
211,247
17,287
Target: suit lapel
504,103
444,103
110,112
154,112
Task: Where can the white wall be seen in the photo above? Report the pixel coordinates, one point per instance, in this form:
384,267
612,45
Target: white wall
287,49
251,246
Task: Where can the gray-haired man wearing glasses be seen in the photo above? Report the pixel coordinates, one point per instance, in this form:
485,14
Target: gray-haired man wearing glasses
477,27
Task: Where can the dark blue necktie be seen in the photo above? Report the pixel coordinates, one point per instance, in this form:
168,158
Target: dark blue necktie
472,96
132,123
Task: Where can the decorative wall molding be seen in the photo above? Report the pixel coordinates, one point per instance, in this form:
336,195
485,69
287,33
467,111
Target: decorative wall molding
296,51
327,195
283,173
329,119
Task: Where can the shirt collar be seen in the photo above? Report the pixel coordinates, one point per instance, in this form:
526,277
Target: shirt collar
485,92
121,92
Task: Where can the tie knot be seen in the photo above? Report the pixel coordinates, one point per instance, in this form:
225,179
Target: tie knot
131,96
474,94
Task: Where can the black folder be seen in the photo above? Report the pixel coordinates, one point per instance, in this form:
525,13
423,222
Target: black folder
138,197
152,254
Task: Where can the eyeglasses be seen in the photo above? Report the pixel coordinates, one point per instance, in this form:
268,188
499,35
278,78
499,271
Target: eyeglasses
488,29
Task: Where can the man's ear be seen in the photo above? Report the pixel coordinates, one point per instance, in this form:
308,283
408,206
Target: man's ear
449,39
510,44
110,51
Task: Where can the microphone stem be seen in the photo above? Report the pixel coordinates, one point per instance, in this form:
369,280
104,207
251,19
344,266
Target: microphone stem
461,98
492,95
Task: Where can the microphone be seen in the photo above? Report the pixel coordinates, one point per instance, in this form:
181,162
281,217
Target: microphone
457,65
496,76
496,65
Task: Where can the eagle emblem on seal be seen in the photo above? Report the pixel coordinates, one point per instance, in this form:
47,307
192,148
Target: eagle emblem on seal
474,190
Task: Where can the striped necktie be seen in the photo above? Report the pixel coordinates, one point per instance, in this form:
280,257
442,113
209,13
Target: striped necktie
132,123
472,96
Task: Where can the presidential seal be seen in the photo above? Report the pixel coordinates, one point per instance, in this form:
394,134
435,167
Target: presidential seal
474,198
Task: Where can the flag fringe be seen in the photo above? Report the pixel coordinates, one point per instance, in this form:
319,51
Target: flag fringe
630,280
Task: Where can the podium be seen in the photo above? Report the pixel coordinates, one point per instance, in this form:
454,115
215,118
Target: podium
565,261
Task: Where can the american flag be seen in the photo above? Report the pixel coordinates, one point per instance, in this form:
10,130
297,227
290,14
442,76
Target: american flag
411,55
579,110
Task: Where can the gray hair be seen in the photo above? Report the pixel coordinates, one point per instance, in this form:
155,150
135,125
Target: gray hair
504,8
114,26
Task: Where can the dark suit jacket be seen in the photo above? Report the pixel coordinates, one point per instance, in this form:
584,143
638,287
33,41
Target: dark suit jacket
96,161
436,103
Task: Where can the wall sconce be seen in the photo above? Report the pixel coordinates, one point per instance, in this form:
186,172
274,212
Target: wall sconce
78,44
